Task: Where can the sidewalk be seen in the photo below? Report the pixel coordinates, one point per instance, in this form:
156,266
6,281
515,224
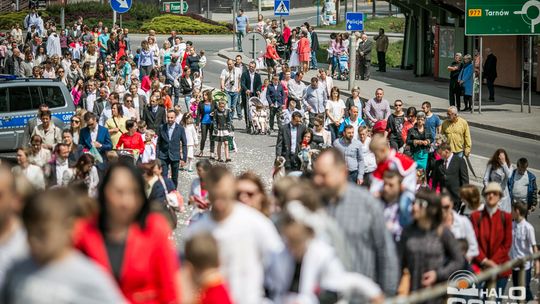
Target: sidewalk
502,116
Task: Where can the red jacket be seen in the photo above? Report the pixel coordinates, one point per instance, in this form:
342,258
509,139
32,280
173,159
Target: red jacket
134,142
494,239
149,266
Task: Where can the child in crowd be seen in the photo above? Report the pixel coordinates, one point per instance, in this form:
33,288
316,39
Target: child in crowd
149,153
141,127
192,140
261,118
120,87
76,49
194,105
197,81
110,66
202,267
167,100
202,62
523,244
264,87
522,185
55,270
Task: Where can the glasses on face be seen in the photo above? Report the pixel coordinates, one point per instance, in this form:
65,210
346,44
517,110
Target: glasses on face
75,121
129,100
398,105
422,203
60,71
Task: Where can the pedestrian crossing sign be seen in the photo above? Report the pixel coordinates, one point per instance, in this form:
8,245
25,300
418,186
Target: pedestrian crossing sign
281,7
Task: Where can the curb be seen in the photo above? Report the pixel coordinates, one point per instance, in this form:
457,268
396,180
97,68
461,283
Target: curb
221,53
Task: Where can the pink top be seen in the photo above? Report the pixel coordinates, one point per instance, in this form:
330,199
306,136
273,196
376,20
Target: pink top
76,95
303,46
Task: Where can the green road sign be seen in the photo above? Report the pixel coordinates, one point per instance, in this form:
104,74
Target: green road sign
502,17
174,7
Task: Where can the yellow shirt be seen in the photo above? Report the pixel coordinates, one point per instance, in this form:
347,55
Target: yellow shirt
119,123
458,135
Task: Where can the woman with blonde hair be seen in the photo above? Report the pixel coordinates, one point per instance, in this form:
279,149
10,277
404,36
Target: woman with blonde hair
91,56
470,198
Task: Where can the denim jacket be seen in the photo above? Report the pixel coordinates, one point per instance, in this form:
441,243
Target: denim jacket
532,189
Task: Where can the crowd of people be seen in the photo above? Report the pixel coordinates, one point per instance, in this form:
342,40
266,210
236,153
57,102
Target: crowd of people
367,201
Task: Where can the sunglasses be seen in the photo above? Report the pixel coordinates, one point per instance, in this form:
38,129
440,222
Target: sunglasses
75,120
422,203
398,105
129,100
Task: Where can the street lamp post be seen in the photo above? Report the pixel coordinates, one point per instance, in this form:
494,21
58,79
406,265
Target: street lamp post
318,13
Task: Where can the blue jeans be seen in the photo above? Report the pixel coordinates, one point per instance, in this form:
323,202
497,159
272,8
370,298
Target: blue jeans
187,101
239,36
313,60
335,65
233,100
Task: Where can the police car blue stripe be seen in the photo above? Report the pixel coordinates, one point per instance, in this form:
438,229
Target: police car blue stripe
20,121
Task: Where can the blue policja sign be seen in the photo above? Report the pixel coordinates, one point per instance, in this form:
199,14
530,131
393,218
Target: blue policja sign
281,7
121,6
354,21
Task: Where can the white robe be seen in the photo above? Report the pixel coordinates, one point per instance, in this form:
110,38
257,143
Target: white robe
53,45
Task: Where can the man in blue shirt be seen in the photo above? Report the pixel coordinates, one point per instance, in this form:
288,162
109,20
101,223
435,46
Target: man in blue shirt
433,122
242,23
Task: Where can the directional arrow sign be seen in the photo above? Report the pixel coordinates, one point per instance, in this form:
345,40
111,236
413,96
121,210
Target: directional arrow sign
354,21
121,6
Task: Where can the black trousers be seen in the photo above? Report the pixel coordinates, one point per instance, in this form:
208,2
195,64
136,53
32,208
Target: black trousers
206,132
275,113
467,100
381,57
455,93
491,87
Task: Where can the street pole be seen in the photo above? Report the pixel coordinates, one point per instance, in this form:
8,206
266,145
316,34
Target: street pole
234,24
352,54
120,20
318,13
181,7
62,18
114,18
17,5
530,70
374,2
259,9
480,80
522,76
208,9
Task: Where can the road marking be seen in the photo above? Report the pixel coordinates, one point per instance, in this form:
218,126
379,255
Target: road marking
220,62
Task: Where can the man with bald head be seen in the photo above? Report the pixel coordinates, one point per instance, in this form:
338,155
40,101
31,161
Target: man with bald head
359,215
13,244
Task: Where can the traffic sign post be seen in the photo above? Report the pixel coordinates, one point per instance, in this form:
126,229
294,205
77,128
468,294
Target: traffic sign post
176,7
282,7
121,6
502,17
354,21
254,44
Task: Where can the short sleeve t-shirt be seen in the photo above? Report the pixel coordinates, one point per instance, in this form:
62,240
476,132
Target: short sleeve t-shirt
241,23
522,241
335,108
231,79
432,123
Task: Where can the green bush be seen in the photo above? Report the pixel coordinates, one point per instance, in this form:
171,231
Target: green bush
10,19
183,25
393,55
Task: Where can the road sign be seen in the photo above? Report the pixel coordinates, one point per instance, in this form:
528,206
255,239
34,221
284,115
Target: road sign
502,17
254,44
174,7
121,6
282,7
354,21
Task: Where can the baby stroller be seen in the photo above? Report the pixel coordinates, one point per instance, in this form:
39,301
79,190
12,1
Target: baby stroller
258,116
344,66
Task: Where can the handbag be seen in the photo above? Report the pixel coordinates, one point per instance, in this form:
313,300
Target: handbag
173,198
176,84
95,153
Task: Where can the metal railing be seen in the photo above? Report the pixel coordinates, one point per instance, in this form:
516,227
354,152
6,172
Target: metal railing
489,275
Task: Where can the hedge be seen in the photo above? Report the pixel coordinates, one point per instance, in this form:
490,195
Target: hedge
183,25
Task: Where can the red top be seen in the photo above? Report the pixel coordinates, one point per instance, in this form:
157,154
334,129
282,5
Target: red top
215,293
149,265
286,34
303,46
134,142
494,239
271,52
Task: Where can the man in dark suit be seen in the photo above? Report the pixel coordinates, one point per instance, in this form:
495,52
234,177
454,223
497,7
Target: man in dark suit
100,102
170,135
314,46
251,84
94,135
275,95
490,73
363,54
154,115
450,173
289,141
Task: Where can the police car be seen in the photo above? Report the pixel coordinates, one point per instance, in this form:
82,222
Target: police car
19,101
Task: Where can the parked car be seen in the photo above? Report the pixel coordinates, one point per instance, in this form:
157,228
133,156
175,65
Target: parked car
19,101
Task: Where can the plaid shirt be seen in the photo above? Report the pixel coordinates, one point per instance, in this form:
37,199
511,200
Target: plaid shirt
360,216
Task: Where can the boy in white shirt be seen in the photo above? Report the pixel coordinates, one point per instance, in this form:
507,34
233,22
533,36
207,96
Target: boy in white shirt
523,244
